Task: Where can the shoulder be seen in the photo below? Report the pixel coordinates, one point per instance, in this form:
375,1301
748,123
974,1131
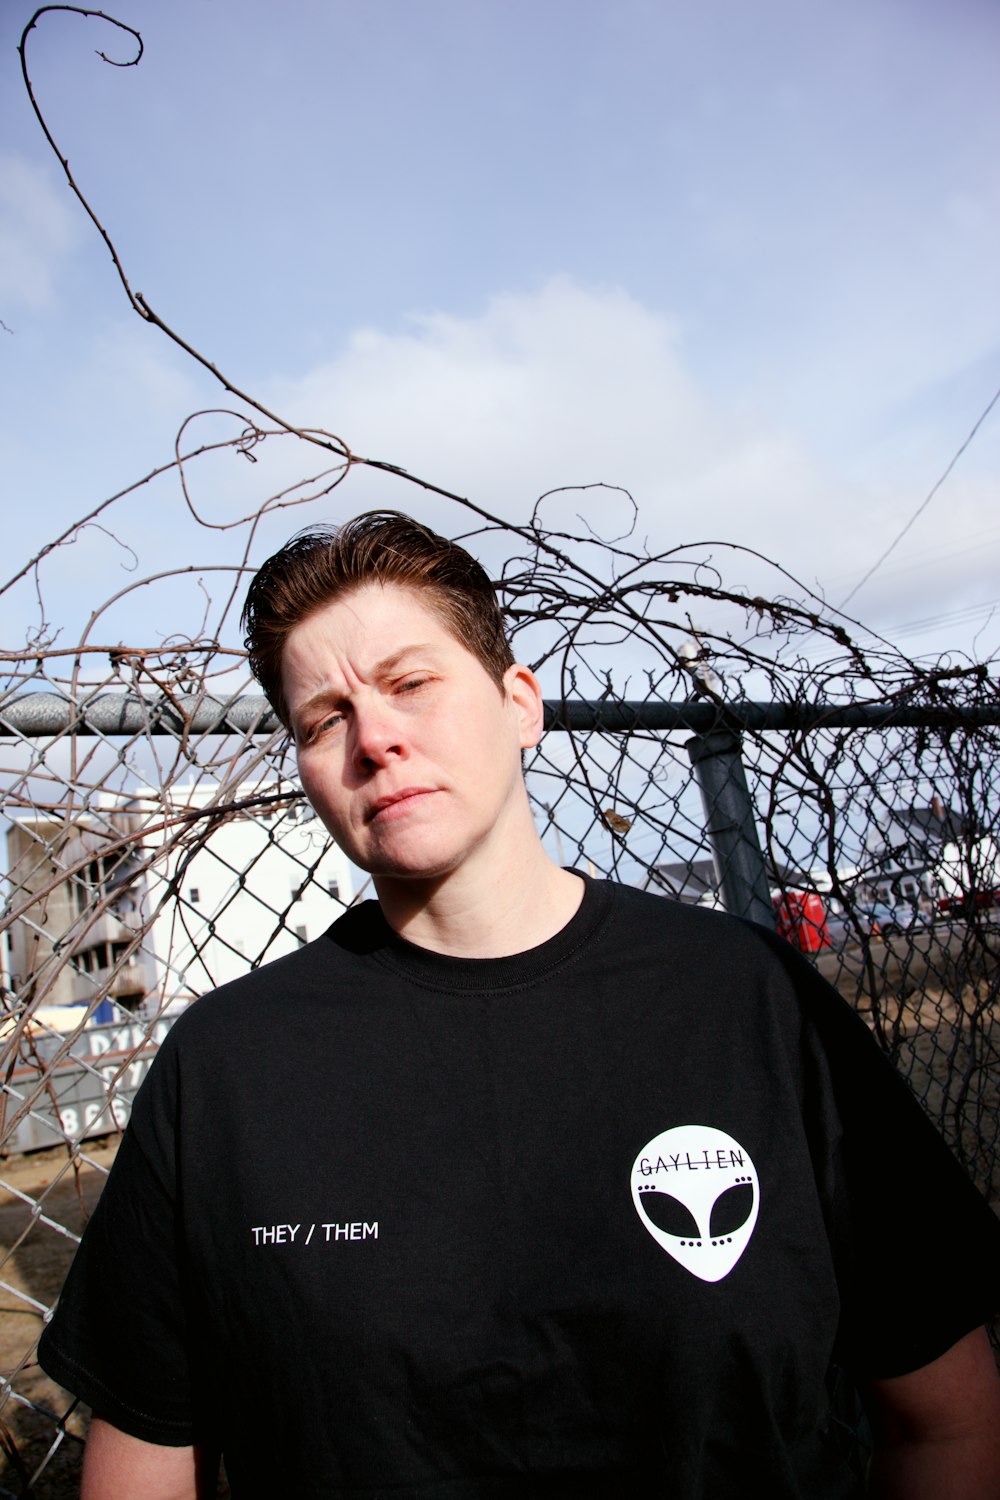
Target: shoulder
713,942
254,996
715,970
231,1040
664,918
317,971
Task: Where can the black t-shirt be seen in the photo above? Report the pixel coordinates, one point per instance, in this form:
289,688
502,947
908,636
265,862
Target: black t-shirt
591,1220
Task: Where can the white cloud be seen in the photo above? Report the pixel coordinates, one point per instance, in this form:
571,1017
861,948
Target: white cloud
566,385
38,230
507,398
572,385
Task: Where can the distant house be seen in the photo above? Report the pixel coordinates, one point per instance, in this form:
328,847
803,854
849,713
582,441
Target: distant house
905,849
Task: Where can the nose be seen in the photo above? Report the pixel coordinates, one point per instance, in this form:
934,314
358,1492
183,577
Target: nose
375,736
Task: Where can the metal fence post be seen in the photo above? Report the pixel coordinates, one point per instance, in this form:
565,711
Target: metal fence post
736,851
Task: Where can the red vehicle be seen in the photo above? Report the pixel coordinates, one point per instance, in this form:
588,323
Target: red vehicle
967,903
802,920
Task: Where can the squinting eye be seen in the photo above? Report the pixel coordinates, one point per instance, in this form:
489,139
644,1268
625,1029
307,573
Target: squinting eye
330,722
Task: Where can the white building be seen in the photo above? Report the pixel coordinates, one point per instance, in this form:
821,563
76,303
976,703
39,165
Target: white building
148,903
924,852
969,869
241,888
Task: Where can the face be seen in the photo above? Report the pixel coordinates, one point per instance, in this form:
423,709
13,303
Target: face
408,750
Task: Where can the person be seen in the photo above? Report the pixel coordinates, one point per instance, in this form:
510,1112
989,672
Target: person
515,1182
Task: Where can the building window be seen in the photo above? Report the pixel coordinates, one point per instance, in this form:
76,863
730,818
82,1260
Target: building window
194,895
333,886
103,956
300,933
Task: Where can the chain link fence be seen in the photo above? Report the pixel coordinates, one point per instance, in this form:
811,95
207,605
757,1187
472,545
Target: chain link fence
160,845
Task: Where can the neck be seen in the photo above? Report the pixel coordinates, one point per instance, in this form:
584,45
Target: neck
514,905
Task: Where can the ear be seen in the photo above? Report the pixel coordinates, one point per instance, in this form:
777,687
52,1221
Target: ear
524,692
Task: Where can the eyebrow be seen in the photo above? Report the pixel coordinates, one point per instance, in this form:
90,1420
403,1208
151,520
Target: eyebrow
389,662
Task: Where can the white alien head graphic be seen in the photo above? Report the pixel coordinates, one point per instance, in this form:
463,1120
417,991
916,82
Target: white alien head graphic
695,1189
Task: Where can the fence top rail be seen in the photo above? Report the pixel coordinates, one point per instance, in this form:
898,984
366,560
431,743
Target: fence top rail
34,715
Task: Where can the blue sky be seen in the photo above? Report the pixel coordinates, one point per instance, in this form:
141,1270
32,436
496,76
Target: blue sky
739,258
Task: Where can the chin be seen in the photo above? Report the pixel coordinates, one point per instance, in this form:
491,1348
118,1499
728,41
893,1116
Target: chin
421,864
417,870
413,864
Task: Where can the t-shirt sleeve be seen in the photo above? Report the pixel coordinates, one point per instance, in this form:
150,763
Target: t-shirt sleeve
917,1246
119,1337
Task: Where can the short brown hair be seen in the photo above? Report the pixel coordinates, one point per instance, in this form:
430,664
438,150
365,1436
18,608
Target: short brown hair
381,546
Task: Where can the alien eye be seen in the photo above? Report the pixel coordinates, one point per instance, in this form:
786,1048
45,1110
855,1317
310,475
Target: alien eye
670,1214
731,1209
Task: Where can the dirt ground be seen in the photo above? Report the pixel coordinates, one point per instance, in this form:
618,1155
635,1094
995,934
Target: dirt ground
935,1009
36,1258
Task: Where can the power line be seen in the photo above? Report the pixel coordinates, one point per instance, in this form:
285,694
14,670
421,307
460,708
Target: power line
969,614
924,503
984,542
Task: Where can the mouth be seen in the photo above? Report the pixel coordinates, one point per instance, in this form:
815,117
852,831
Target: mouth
394,804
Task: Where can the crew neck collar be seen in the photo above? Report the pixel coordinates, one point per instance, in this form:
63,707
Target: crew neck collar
364,930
